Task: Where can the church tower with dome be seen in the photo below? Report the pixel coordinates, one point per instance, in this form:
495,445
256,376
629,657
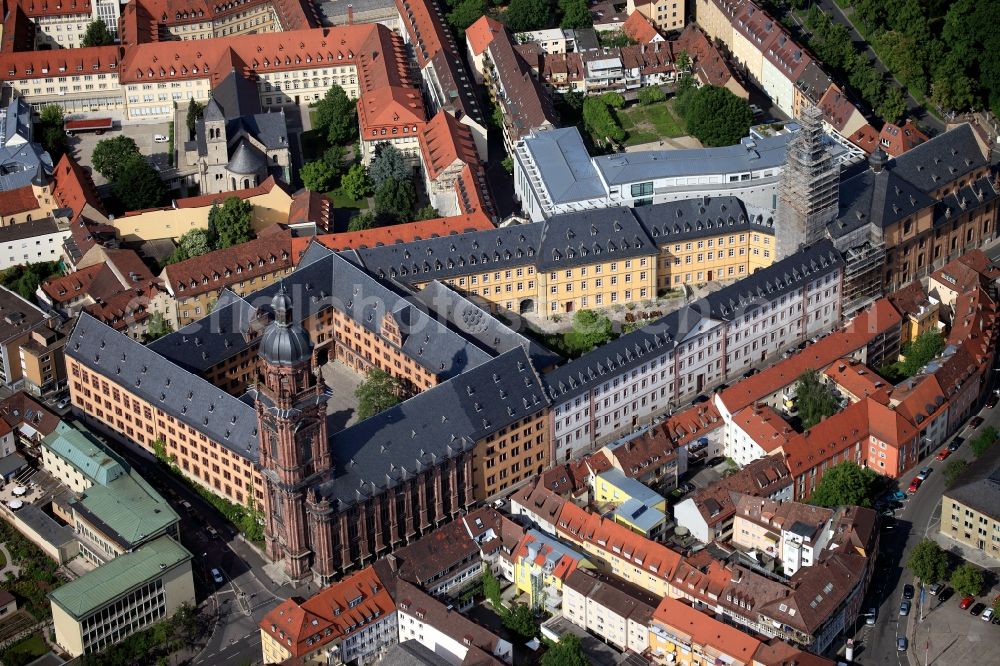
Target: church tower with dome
294,452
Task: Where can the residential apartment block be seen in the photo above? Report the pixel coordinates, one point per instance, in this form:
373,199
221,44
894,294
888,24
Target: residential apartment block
969,509
617,612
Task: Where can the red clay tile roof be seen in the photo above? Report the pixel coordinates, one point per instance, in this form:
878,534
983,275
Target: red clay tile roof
837,109
212,271
705,58
18,29
919,398
391,110
473,192
48,8
20,408
639,28
311,207
445,140
124,307
855,377
867,325
66,288
481,33
763,477
689,424
209,199
424,27
398,233
45,64
705,630
537,498
897,139
911,299
865,138
579,526
19,200
301,626
73,187
764,426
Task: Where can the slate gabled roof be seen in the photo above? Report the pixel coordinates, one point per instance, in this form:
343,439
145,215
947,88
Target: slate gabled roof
876,198
158,381
585,237
697,218
661,336
945,158
434,425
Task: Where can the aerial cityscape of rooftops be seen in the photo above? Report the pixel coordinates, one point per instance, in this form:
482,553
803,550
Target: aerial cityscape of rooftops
473,332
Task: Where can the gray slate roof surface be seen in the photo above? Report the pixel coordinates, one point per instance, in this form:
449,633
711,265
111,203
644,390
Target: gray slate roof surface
944,158
979,486
160,382
236,95
434,425
329,280
695,218
661,336
40,227
246,159
749,154
586,236
472,321
977,193
268,128
19,157
876,198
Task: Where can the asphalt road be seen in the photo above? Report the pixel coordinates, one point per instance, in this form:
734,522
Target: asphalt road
878,643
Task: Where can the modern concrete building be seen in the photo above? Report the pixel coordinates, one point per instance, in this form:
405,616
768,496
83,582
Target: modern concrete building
617,612
124,596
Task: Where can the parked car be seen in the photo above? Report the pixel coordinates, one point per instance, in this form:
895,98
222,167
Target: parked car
907,591
160,138
992,401
63,404
987,615
935,589
750,373
217,577
904,608
698,399
716,461
966,602
976,421
897,496
955,443
214,532
901,643
871,616
977,609
943,453
915,484
924,473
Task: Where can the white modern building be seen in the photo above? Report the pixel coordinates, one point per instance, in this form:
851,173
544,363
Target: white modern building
31,242
666,363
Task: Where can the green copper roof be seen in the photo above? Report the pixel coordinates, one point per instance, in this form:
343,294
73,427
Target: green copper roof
96,589
84,453
120,503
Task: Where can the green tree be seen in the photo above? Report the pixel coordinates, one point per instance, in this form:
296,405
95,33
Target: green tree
336,115
194,243
651,95
156,327
599,121
928,562
361,221
194,113
524,15
508,164
318,176
355,182
97,34
846,484
138,185
465,13
683,62
230,224
110,155
492,589
952,90
905,58
51,132
575,14
590,329
24,279
967,580
387,164
521,620
893,105
428,212
614,100
567,652
814,399
717,117
953,470
924,349
334,157
378,392
396,198
982,442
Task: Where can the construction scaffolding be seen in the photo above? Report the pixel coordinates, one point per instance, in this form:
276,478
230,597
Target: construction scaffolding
864,256
810,187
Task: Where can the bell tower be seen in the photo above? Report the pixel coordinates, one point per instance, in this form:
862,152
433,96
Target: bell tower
294,454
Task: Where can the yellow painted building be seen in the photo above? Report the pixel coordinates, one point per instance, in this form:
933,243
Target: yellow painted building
719,257
613,487
541,564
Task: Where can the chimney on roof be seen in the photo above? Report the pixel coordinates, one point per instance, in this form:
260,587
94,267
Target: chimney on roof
350,14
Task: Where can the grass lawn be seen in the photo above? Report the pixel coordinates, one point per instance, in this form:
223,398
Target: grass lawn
341,200
645,124
33,647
